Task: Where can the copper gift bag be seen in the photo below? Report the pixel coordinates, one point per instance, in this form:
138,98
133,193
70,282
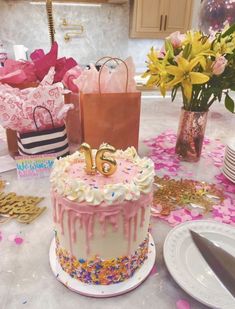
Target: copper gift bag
73,124
111,117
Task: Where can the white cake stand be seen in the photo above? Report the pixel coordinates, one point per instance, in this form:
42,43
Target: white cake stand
103,290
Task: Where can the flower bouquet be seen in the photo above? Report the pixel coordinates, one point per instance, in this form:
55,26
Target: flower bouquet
203,68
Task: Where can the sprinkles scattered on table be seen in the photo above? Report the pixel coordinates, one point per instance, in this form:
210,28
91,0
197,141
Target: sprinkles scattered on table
98,271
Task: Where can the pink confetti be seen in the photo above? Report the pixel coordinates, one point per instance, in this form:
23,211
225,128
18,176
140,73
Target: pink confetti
182,304
12,237
162,152
225,212
18,240
179,216
153,271
228,185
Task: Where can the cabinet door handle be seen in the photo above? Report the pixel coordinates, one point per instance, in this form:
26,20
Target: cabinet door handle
161,22
165,22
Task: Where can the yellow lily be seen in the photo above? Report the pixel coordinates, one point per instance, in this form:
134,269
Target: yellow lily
224,46
183,74
201,46
153,55
157,73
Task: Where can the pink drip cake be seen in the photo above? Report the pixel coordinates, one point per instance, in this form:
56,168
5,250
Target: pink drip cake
102,223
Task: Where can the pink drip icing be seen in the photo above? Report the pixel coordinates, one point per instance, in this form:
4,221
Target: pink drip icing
135,227
53,201
129,236
126,229
85,214
103,223
75,218
142,216
80,223
70,228
62,220
87,222
114,221
59,211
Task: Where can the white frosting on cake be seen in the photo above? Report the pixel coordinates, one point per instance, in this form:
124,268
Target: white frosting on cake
76,188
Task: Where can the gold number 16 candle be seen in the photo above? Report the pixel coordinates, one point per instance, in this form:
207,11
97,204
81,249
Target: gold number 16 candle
104,164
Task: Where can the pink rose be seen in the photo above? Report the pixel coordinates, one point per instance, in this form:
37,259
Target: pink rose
176,39
219,65
162,52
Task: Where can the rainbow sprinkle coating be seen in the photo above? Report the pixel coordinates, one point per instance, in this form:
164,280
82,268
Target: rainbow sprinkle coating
102,272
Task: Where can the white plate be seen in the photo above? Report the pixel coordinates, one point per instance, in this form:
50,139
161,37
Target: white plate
228,166
188,267
103,290
228,175
230,162
231,144
230,153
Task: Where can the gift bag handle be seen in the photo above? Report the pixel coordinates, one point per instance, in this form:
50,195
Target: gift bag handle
116,60
34,118
106,57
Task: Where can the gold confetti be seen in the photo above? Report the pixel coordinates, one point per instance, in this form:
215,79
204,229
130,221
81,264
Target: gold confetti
171,194
2,184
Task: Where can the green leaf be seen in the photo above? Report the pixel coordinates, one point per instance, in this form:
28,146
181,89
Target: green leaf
219,95
229,31
169,48
173,93
229,103
187,50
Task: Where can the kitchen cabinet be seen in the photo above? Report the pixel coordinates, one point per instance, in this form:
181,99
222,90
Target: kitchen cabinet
159,18
84,1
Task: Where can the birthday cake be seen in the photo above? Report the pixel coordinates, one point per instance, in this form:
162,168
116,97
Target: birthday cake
102,223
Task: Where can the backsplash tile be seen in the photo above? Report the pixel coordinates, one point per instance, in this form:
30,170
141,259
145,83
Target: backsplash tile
106,31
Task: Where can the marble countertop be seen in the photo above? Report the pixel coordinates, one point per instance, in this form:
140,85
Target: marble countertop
26,280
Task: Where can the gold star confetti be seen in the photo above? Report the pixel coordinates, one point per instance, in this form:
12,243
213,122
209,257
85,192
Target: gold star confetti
171,194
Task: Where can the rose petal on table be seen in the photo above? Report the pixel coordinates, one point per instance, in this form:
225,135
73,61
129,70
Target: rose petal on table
182,304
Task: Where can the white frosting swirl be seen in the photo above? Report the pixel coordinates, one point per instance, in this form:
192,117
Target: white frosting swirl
77,190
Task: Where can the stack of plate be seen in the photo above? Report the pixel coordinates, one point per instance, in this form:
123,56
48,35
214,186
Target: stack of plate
229,161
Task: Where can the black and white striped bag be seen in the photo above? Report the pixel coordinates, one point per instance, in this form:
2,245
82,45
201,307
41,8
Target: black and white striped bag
52,140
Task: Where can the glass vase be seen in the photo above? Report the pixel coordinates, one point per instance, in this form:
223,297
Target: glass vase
190,135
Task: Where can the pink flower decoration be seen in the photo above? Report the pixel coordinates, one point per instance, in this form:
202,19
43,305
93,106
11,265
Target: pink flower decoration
176,39
182,304
219,65
162,52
